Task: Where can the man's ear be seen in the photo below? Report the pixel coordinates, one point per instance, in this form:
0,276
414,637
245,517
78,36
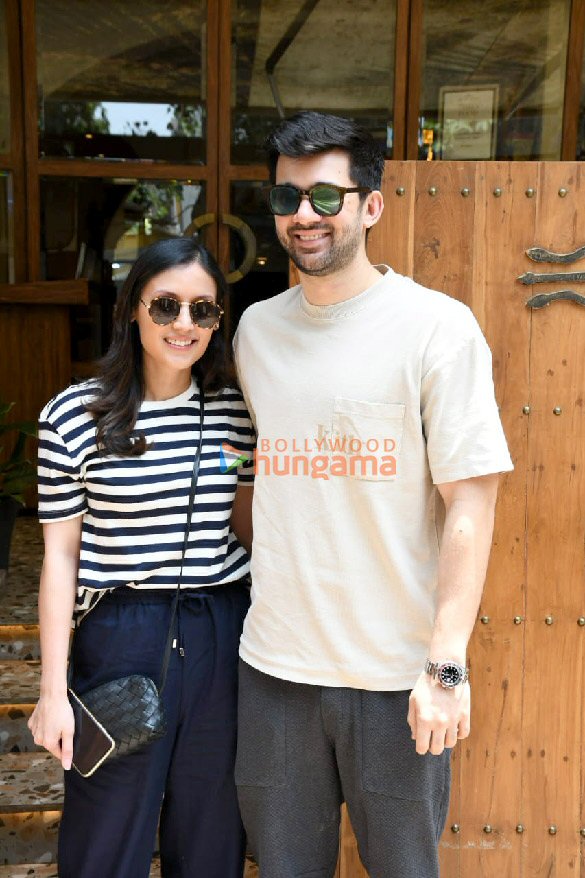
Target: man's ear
373,209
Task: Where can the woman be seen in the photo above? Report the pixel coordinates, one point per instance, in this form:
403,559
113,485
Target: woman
115,461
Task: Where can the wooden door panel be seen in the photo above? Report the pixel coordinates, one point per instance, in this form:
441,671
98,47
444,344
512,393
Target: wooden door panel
35,358
391,239
350,865
552,748
450,844
556,480
491,782
444,228
523,764
506,229
553,727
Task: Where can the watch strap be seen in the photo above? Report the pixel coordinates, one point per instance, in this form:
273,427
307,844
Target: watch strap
432,668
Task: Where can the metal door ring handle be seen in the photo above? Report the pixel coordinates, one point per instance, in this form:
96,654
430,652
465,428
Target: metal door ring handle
205,219
249,241
244,231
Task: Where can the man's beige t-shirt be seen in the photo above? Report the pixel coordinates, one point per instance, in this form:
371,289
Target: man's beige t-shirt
361,408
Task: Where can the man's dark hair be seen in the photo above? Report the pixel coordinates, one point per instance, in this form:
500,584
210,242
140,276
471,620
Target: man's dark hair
309,133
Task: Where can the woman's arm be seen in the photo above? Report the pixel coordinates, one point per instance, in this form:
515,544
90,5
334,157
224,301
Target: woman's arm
51,722
241,520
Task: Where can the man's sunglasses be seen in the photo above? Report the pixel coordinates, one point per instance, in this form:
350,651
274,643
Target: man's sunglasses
326,199
165,309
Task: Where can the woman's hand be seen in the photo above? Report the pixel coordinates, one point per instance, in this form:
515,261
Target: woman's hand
52,726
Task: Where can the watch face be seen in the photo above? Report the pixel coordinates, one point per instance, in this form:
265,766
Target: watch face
449,675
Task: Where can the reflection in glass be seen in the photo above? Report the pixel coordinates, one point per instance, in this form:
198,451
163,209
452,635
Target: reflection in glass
269,274
6,230
493,79
309,55
4,83
119,79
95,228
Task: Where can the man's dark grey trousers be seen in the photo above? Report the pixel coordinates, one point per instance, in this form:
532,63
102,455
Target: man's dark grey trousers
304,749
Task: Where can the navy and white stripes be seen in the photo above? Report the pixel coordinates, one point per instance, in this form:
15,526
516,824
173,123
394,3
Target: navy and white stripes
134,508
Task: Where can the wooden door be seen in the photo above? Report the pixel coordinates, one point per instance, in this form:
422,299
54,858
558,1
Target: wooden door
517,807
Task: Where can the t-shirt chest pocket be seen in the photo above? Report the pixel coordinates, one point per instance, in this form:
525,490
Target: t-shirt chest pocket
369,436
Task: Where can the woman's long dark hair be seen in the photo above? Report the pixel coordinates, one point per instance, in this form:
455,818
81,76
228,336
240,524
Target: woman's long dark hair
120,379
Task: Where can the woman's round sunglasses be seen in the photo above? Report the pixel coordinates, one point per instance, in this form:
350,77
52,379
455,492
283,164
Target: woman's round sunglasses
326,199
165,309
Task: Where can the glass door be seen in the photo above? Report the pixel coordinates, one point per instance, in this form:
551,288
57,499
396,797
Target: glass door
283,57
492,80
147,123
124,147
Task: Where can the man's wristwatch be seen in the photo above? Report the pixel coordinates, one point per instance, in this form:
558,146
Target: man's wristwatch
448,674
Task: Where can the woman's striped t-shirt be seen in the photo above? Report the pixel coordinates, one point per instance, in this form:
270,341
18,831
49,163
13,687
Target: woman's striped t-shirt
135,508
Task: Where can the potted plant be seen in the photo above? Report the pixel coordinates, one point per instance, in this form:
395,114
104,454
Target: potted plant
17,473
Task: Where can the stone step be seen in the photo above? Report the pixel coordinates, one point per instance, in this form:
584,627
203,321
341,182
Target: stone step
30,782
49,870
19,691
20,584
15,736
19,642
31,870
30,810
19,601
19,681
28,837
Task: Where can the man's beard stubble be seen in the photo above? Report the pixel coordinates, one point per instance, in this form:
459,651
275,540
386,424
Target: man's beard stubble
338,256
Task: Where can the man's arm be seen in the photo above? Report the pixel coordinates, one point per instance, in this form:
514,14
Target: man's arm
437,716
241,519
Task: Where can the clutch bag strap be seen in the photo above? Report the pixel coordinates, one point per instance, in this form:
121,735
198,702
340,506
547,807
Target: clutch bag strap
194,478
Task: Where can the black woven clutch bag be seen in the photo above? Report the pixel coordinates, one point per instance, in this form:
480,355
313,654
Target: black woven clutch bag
131,710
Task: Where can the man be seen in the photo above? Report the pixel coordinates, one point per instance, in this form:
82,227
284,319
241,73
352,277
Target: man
379,444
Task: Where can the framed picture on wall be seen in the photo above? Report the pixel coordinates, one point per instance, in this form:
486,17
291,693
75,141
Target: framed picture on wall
468,121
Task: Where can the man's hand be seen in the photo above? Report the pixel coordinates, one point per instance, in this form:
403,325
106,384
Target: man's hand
438,717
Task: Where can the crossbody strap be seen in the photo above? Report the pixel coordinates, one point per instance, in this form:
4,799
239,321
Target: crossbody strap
175,604
194,478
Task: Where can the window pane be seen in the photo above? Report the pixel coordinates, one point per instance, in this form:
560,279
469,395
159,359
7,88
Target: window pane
4,83
6,230
119,79
95,228
304,55
269,272
493,79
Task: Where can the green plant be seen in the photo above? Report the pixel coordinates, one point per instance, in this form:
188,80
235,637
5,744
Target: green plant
17,472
